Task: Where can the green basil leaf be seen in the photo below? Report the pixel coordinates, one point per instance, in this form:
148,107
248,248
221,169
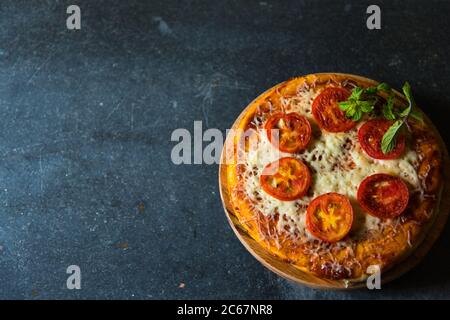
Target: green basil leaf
388,108
344,105
411,109
405,112
407,92
356,93
358,114
366,106
389,138
350,112
384,87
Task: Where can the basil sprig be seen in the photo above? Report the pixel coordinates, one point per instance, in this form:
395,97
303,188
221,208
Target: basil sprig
389,138
363,100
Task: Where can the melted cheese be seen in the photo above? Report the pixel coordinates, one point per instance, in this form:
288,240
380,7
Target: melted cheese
337,163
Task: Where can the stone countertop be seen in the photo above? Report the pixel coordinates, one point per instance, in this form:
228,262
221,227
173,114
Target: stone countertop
86,176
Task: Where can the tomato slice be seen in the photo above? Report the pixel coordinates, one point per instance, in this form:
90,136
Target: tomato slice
329,217
292,131
327,112
286,179
370,135
383,196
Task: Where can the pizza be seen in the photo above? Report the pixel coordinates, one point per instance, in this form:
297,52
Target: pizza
313,185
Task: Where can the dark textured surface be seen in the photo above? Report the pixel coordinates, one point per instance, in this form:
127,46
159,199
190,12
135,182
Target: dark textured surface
85,170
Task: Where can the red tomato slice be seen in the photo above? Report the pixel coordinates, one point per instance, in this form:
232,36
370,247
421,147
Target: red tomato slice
329,217
286,179
327,112
383,196
370,135
292,134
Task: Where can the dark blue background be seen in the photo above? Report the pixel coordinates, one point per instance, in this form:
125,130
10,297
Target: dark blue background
86,119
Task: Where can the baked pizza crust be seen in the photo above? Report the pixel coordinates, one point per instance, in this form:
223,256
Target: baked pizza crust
348,259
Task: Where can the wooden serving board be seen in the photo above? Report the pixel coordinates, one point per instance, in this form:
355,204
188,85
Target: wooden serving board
294,274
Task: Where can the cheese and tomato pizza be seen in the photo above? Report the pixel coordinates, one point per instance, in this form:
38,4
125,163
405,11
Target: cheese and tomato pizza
334,175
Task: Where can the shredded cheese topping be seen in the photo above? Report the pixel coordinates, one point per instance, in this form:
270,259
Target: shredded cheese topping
337,164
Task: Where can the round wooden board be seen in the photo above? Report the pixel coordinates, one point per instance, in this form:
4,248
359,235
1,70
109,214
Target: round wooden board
294,274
